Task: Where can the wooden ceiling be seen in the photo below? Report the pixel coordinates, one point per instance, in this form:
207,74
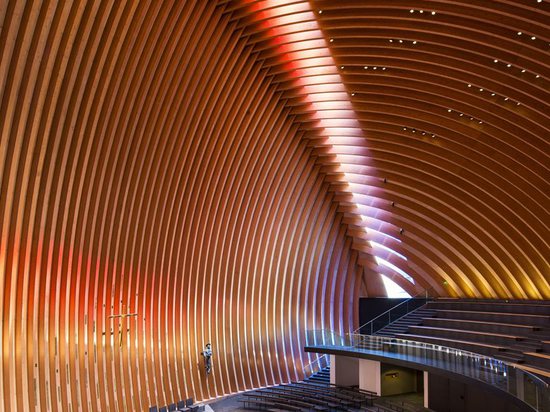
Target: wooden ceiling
237,172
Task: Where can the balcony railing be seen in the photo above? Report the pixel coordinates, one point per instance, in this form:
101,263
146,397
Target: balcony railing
396,312
519,383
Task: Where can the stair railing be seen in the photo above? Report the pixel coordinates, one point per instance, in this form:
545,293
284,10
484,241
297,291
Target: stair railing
386,317
309,370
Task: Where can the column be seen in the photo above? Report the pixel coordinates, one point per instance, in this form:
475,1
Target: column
369,376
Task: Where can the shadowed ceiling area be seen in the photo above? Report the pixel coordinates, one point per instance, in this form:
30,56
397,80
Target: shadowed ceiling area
237,172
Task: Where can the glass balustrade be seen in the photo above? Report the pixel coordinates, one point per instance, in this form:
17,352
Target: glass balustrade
523,385
317,365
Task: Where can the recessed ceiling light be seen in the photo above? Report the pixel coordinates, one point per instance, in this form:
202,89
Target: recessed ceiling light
523,70
383,68
421,11
496,61
365,67
414,42
404,128
480,90
505,99
449,110
433,13
331,40
320,11
412,11
461,114
480,122
391,41
533,38
374,68
353,94
518,103
537,76
519,33
508,65
342,67
492,94
469,85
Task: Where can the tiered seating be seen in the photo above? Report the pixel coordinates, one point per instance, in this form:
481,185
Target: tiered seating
411,319
313,394
514,331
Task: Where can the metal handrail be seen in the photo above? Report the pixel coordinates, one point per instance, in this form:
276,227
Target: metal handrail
435,348
424,292
310,364
502,375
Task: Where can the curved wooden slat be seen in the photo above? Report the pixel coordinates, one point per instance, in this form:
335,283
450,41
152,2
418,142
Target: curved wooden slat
237,172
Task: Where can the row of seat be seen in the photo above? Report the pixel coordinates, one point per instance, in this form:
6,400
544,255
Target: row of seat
313,394
515,331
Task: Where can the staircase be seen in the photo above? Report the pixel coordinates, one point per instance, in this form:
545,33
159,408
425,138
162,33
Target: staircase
402,324
323,376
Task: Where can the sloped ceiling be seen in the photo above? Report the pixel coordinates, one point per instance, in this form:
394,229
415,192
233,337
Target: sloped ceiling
238,172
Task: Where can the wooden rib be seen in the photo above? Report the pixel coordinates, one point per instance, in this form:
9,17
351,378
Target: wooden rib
205,165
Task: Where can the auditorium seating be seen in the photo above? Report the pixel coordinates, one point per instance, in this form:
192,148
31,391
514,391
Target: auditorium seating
514,331
313,394
317,394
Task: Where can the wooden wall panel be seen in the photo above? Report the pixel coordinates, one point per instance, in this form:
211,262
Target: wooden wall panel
453,100
149,164
237,172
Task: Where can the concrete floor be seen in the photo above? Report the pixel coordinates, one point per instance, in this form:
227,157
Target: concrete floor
227,404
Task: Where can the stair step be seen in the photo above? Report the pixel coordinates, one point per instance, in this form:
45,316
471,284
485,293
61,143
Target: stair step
509,358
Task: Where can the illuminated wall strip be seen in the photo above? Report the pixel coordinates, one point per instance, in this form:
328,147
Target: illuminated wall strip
288,31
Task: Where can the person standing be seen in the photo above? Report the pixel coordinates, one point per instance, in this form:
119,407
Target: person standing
207,354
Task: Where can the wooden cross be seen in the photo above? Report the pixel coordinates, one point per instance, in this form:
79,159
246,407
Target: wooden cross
121,316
